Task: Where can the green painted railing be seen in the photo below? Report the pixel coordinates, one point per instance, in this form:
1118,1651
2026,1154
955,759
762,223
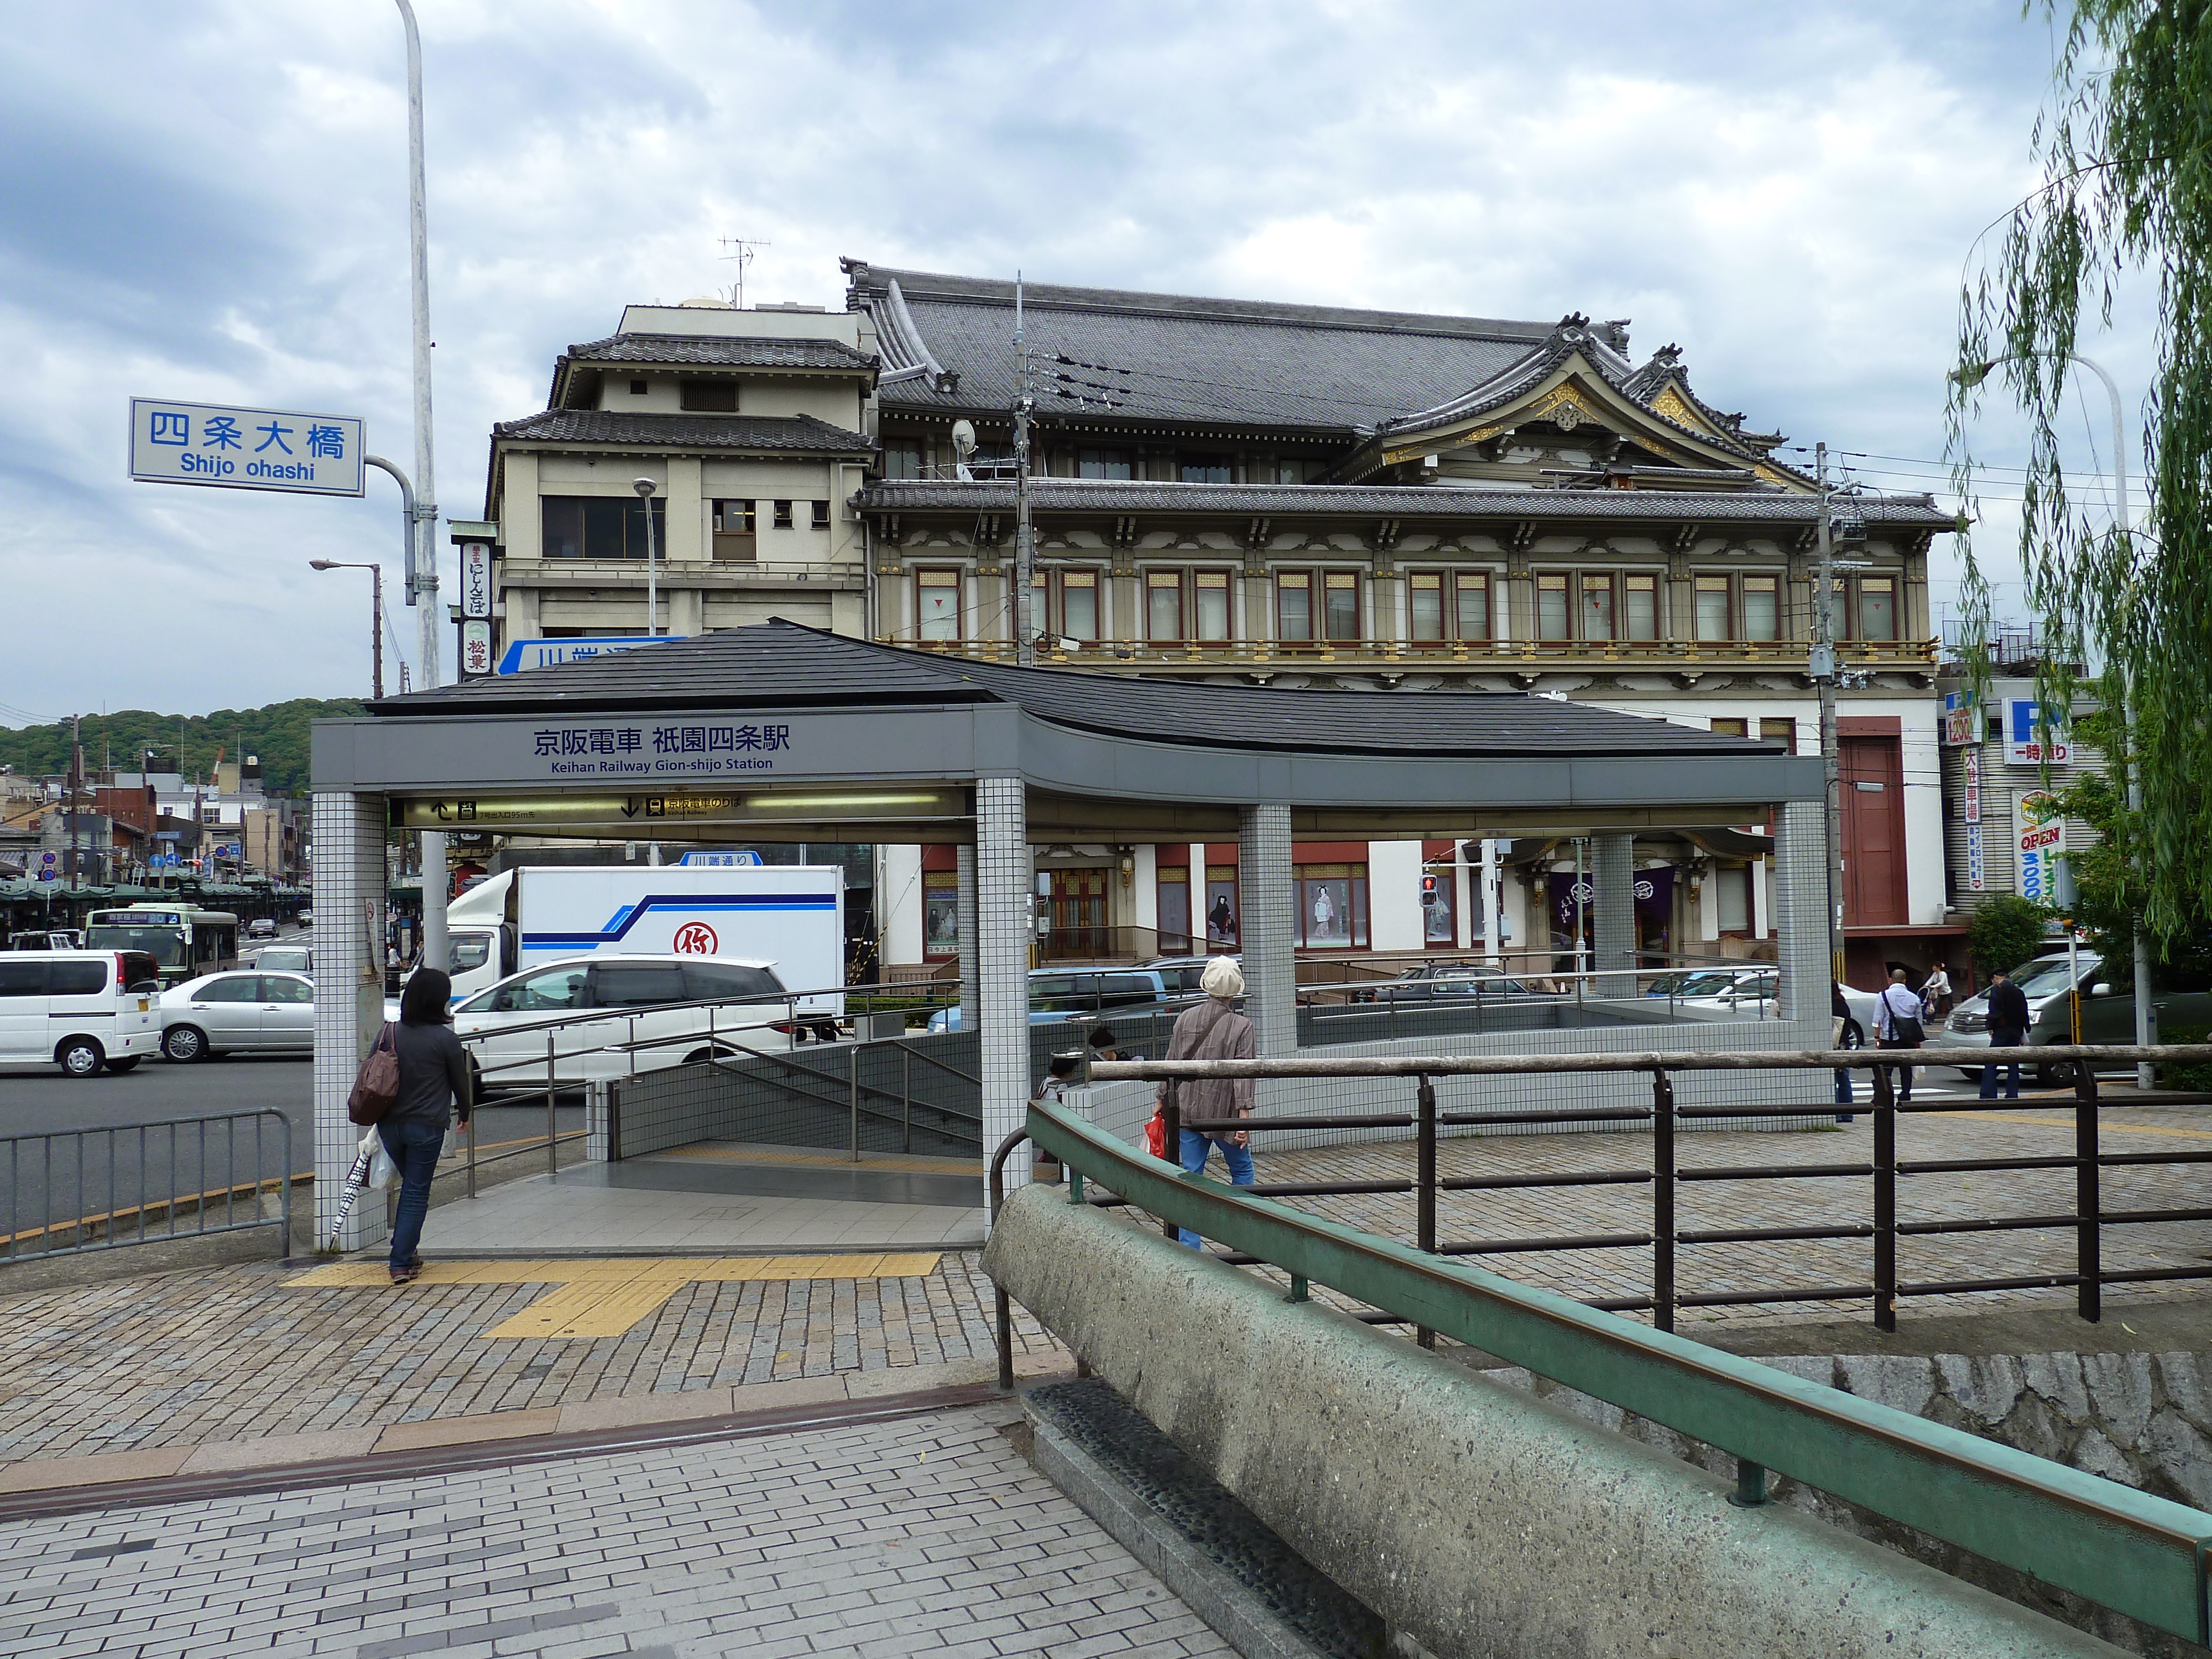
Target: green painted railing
2139,1555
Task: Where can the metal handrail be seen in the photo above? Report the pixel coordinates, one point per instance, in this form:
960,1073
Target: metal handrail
851,1083
261,1118
2142,1555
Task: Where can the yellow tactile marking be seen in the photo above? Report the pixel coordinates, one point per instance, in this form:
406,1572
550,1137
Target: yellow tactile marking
605,1296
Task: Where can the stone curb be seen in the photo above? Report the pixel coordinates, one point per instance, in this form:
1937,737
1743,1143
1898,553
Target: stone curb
1233,1612
109,1476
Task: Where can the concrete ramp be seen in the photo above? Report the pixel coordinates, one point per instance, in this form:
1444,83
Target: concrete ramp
1485,1523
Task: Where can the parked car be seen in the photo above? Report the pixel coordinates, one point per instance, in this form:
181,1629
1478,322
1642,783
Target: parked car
51,939
1429,981
1750,992
1058,993
86,1012
586,1004
241,1012
261,927
1182,975
2108,1012
286,958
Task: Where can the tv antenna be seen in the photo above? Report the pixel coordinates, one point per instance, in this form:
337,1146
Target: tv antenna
744,257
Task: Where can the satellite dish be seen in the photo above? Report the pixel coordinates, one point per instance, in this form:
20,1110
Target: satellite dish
963,438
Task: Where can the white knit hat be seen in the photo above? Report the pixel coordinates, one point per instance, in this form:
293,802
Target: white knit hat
1223,978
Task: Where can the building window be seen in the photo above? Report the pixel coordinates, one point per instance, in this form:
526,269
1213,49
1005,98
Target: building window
1078,605
940,913
637,388
1471,603
733,531
707,396
937,606
1877,608
1164,605
1762,607
1731,728
821,515
1102,463
599,527
1174,911
1343,613
1332,905
1597,606
1641,610
1731,886
1439,905
1712,603
1453,606
902,460
1294,606
1222,905
1783,731
783,515
1553,620
1210,598
1207,469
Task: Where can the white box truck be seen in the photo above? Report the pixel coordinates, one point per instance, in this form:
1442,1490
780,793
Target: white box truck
791,915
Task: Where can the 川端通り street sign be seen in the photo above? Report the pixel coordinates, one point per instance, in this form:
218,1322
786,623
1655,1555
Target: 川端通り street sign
246,448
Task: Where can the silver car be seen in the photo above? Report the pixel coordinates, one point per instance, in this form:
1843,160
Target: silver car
238,1012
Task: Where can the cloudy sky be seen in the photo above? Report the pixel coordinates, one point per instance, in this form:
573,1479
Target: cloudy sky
209,202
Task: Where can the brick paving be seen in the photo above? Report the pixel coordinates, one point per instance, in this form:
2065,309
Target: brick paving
922,1535
2009,1129
235,1352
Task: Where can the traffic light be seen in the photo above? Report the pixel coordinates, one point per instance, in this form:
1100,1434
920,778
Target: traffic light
1428,892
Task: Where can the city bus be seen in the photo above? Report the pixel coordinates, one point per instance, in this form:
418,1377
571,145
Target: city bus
185,941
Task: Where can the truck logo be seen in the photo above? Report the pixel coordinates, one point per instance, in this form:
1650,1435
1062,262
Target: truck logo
696,939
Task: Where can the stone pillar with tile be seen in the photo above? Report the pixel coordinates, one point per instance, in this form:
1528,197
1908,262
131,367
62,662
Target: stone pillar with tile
963,913
1267,929
1801,917
1612,925
1002,880
349,942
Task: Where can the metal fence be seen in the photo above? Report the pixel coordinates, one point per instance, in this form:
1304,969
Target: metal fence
77,1190
2143,1556
1656,1074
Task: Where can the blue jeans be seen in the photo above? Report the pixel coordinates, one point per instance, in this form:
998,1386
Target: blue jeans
1195,1150
2003,1040
414,1147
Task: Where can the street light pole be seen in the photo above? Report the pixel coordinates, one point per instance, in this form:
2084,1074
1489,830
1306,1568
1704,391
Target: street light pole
423,573
375,615
2145,1073
1823,665
645,487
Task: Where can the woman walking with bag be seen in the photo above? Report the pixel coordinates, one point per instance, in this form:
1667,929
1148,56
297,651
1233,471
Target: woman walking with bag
433,1088
1900,1025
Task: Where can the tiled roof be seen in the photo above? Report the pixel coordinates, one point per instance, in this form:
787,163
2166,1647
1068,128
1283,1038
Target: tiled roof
774,434
1384,501
1186,360
715,351
784,665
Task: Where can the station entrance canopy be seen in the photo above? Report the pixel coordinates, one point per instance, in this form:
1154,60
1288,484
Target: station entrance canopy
780,733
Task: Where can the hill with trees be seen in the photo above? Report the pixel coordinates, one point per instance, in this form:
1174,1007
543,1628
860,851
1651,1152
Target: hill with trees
279,733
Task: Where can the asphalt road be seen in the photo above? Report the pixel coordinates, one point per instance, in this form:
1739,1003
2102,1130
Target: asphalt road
39,1178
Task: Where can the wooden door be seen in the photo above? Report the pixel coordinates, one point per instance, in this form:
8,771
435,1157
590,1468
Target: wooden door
1875,894
1078,911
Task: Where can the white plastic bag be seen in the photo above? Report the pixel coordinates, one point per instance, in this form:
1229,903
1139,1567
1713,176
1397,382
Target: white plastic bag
383,1173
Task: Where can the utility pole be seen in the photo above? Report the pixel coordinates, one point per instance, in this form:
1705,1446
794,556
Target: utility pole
422,577
75,803
1024,547
1823,665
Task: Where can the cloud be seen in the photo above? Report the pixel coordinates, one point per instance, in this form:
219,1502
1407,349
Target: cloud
216,208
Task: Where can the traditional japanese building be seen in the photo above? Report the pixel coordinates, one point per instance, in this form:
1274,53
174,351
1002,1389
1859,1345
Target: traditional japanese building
1234,490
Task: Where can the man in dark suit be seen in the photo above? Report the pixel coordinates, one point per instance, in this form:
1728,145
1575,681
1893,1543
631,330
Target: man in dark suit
2009,1021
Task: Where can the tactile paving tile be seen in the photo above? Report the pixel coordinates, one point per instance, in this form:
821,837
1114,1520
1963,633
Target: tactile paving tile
605,1296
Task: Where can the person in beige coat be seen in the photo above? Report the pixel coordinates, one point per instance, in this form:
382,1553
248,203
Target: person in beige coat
1213,1029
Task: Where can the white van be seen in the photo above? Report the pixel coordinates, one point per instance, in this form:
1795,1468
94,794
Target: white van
83,1011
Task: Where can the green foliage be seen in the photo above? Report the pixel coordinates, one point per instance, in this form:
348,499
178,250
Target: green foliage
2127,187
279,734
2195,1079
2005,932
